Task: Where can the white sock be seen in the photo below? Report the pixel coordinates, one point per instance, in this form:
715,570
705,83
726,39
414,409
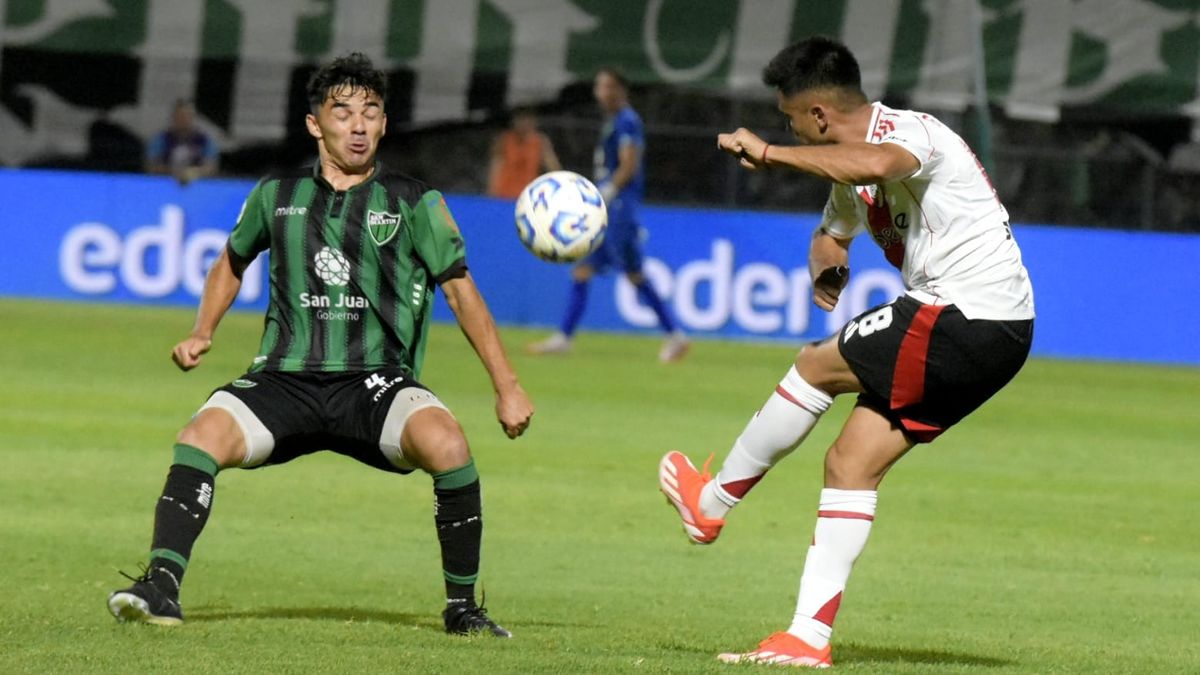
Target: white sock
843,524
784,421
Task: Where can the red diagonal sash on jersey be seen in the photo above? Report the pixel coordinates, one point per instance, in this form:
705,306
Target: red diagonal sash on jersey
879,220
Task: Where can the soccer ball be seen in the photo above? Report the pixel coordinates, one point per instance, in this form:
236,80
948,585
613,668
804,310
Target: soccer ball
561,217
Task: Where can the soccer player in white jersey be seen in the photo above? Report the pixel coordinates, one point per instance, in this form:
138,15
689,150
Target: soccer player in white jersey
918,364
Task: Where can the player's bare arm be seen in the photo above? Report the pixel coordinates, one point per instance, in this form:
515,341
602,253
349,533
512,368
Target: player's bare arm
857,163
495,162
828,262
549,156
221,286
513,407
848,163
629,158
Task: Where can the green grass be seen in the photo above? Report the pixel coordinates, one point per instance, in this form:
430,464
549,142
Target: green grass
1053,531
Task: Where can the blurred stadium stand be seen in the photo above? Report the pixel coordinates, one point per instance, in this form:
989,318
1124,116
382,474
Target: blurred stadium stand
1096,133
1098,173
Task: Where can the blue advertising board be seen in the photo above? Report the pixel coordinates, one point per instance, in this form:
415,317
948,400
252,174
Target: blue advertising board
734,274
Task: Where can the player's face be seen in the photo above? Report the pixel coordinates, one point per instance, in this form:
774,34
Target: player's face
348,127
183,117
608,92
805,116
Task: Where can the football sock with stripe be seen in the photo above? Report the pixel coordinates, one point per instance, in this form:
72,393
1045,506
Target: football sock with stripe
576,303
648,295
843,525
181,512
458,515
784,421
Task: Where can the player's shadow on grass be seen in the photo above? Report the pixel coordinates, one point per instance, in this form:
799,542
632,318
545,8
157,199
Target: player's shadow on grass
343,614
866,654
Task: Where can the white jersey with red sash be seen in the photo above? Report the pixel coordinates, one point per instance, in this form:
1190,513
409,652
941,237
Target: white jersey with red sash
943,227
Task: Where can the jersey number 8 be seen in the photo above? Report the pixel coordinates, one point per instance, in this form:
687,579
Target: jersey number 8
870,323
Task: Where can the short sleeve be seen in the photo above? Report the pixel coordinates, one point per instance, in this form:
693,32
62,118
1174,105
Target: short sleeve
913,134
840,217
629,132
437,239
252,235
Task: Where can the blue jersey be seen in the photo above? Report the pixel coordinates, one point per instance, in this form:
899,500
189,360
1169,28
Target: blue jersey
177,151
621,129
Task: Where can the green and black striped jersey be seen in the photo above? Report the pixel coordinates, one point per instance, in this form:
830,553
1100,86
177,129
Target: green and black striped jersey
352,272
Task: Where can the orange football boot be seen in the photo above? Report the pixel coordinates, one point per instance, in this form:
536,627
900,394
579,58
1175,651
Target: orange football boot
783,649
681,483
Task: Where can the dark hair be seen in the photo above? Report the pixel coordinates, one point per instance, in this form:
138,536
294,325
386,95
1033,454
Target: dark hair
353,70
616,74
812,64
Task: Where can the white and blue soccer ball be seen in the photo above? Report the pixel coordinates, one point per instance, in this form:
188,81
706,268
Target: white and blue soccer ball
561,217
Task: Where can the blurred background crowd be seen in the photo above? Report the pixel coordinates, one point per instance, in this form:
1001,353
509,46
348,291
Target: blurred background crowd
1083,110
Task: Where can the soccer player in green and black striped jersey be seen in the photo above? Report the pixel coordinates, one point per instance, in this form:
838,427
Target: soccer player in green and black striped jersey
356,251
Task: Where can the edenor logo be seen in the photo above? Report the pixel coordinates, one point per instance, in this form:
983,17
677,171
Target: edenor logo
150,261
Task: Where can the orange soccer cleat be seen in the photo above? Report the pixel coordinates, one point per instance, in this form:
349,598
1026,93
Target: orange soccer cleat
783,649
681,483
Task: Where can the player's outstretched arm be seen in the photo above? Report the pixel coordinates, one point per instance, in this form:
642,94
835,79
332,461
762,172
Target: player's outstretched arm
629,159
549,156
746,146
220,288
513,407
828,260
847,163
495,166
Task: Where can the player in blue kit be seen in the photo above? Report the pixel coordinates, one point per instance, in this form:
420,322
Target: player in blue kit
619,175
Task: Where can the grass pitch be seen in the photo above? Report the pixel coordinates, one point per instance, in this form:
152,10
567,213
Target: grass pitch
1053,531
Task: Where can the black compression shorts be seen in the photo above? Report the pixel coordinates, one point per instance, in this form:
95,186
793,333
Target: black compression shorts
926,367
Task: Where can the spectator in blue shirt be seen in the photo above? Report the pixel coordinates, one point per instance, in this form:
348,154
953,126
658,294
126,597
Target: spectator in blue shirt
182,150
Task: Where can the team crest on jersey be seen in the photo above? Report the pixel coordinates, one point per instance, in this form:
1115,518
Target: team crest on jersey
383,225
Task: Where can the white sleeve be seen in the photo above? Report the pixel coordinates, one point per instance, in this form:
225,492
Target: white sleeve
840,217
915,135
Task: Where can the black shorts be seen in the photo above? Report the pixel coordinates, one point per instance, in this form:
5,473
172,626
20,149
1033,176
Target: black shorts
926,367
292,414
